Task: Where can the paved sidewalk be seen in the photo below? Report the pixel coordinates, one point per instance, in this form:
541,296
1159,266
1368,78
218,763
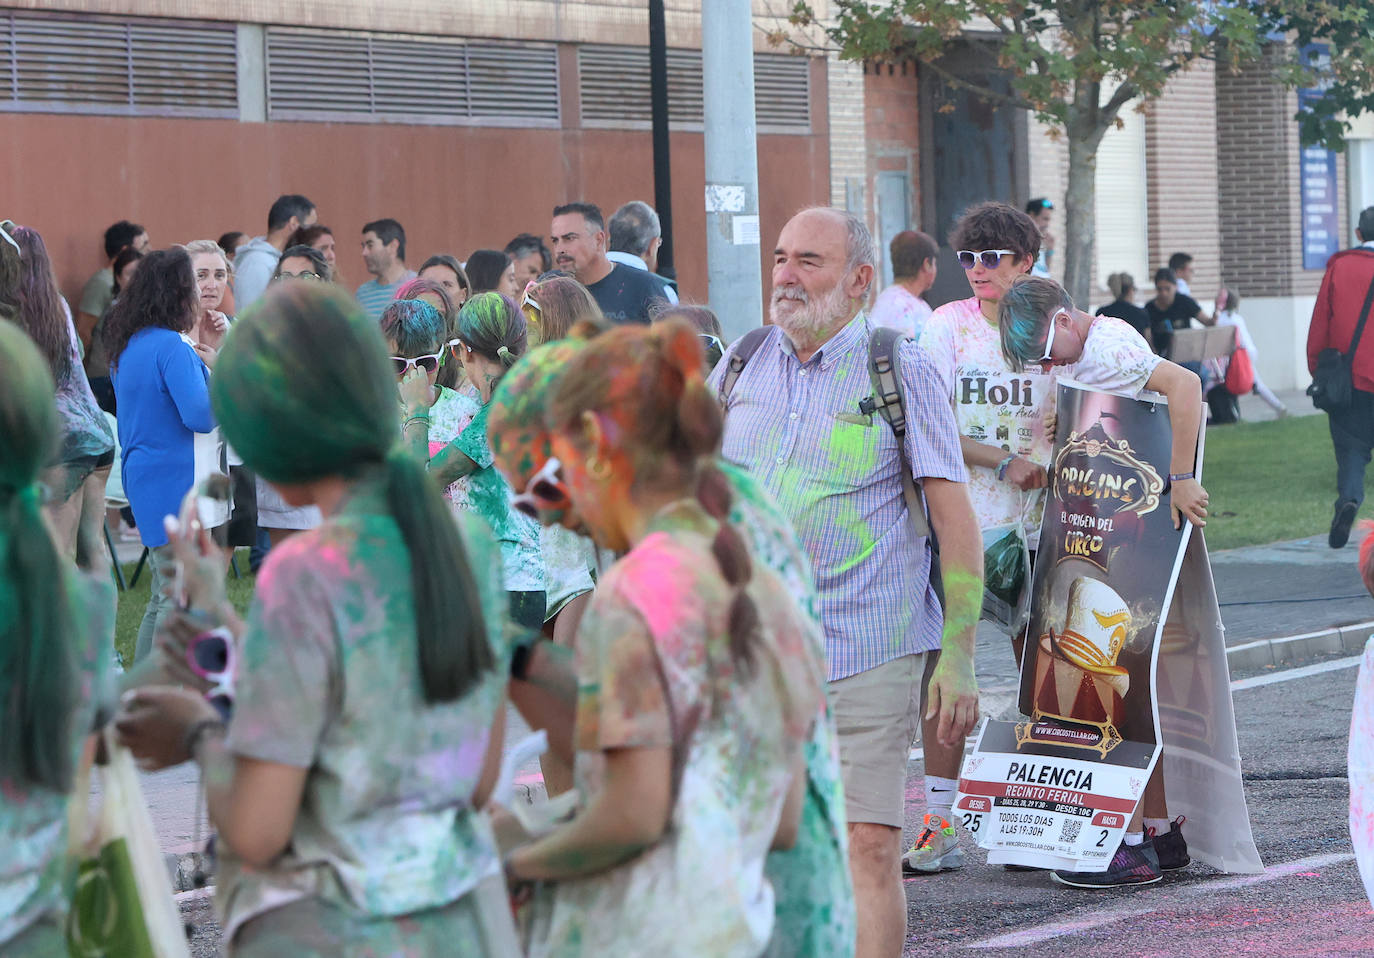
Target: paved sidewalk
1288,588
1254,409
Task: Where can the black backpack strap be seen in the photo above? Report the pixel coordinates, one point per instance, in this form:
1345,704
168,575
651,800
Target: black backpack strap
742,351
885,373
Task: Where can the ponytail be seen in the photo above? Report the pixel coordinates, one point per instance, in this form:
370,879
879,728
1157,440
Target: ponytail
38,672
293,418
493,326
451,636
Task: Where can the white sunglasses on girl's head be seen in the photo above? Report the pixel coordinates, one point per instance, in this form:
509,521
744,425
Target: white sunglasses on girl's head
1049,337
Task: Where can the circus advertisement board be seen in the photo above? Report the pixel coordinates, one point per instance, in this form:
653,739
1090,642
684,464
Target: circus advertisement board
1124,661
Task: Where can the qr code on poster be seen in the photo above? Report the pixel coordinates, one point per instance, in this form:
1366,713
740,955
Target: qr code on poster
1068,832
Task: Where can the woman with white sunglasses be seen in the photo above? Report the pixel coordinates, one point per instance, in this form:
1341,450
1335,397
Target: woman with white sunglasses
1001,416
492,335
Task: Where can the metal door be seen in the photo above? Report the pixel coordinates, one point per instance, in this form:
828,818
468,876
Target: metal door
972,150
893,190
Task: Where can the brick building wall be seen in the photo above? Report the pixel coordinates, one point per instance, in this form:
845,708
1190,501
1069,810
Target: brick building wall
892,128
574,21
892,117
1182,187
1260,175
848,146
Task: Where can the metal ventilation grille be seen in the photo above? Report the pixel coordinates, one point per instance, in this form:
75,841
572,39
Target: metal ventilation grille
367,78
614,89
59,64
782,91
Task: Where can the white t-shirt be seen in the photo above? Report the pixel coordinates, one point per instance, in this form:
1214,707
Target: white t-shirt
1115,358
898,308
992,405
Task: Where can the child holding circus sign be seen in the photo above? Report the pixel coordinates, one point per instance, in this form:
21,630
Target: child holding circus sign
1040,325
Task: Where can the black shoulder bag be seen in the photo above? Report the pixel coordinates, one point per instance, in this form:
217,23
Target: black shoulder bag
1333,384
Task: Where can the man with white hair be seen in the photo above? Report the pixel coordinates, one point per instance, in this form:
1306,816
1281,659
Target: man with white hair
635,238
800,416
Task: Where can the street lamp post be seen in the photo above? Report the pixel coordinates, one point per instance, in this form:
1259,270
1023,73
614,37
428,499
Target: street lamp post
658,95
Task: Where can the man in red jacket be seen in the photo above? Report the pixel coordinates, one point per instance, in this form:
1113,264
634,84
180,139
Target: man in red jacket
1344,292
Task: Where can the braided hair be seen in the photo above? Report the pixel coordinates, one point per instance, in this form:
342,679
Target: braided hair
648,381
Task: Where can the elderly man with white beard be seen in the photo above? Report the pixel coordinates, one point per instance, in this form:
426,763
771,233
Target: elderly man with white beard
800,418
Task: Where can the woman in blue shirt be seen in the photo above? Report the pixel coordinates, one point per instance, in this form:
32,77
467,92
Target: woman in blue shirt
166,430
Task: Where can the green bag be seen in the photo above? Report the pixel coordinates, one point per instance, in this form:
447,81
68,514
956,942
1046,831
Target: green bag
1006,574
121,901
1004,568
106,915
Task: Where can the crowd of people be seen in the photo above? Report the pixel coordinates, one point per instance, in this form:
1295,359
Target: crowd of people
532,478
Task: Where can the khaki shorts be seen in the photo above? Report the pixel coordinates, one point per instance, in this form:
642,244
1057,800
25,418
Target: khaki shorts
878,714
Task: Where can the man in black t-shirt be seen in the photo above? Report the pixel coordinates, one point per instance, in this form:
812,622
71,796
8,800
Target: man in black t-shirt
625,295
1170,310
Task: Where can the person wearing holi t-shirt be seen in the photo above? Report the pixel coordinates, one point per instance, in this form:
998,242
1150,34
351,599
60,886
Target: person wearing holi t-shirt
417,335
1002,435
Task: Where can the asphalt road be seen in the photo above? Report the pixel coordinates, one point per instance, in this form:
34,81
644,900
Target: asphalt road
1293,737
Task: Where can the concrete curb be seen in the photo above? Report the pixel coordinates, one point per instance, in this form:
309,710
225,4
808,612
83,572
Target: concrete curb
1267,653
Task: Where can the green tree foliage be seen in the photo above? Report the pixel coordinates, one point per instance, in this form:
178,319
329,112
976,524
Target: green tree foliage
1076,64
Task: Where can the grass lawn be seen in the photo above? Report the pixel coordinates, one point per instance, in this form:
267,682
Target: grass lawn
132,603
1269,481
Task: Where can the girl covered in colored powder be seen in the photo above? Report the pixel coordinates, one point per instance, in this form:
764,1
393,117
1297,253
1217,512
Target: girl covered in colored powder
348,785
76,484
814,899
433,415
429,291
697,675
491,336
55,630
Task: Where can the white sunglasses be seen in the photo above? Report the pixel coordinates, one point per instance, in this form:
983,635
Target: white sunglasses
1049,337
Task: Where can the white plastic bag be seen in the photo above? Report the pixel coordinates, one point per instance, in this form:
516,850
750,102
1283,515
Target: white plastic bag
122,903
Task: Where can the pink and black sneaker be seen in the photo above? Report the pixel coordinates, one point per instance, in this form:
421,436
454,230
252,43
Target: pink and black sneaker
1131,865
